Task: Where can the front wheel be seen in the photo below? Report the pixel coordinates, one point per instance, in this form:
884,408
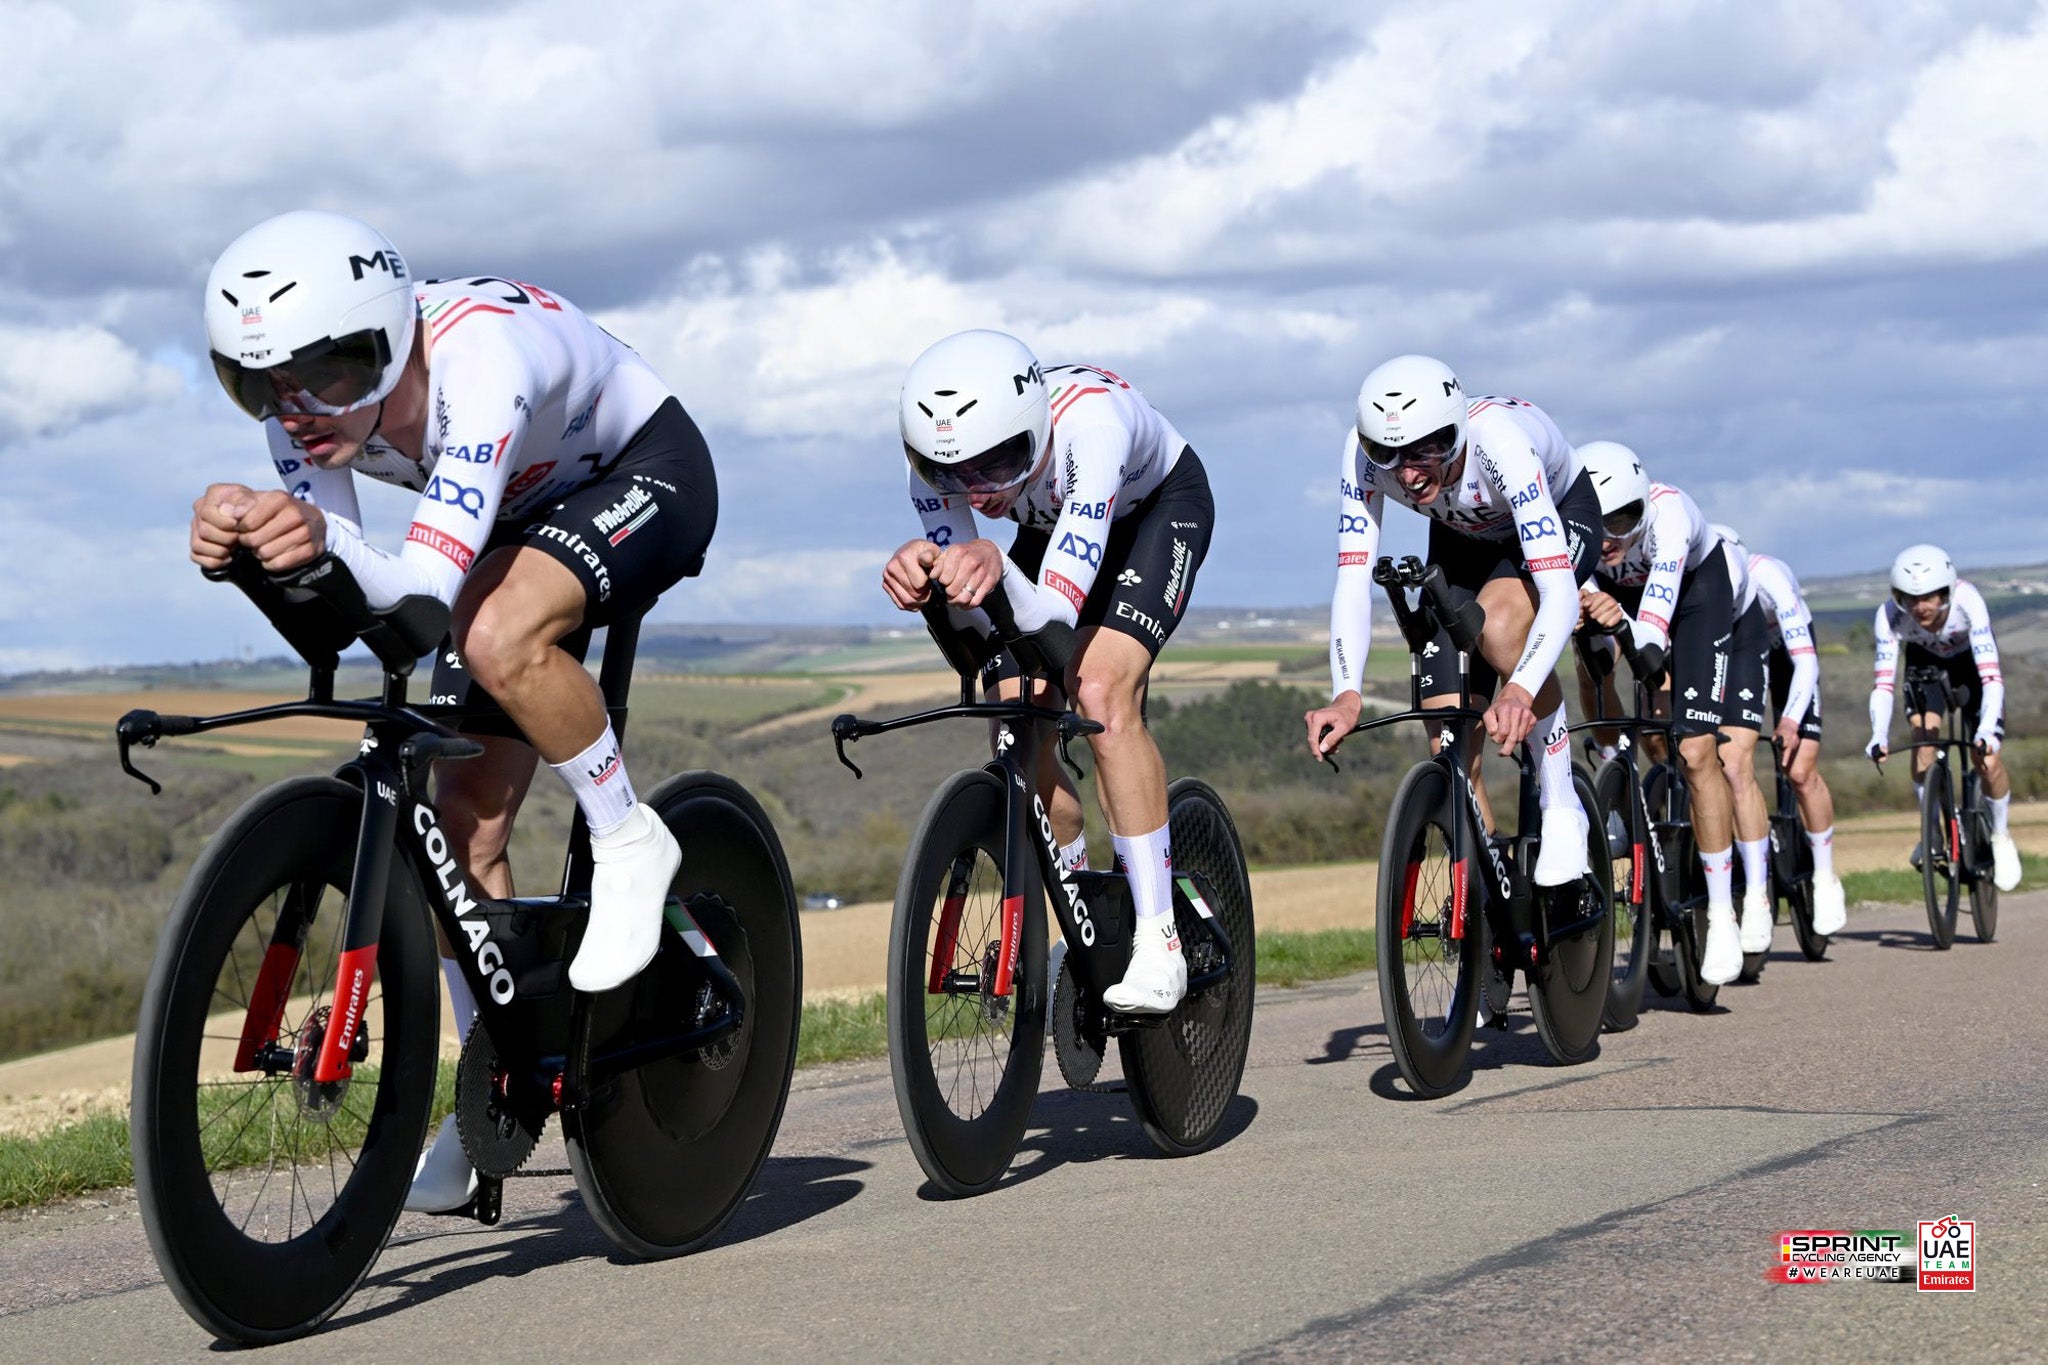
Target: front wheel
966,1030
1184,1074
1940,856
266,1193
1568,990
666,1150
1428,929
1633,876
1983,890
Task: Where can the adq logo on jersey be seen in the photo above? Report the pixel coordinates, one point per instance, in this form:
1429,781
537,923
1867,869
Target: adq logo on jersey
490,958
446,490
1087,551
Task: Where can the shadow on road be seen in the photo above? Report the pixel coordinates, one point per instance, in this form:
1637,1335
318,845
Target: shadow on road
1891,938
1492,1049
1081,1126
789,1190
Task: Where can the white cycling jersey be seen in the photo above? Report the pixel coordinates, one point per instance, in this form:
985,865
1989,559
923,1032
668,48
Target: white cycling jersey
1109,450
528,400
1676,541
1736,556
1791,628
1517,465
1966,628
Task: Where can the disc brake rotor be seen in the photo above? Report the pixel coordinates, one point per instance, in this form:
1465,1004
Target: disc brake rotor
319,1101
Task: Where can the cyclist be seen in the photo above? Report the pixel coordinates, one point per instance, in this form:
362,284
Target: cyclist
1793,677
1742,724
1114,516
1659,560
1513,523
561,485
1943,623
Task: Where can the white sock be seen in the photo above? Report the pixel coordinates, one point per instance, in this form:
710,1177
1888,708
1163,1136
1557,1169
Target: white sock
1720,869
1756,861
1919,791
2000,805
598,778
1550,747
1608,751
1074,856
461,1003
1148,864
1823,846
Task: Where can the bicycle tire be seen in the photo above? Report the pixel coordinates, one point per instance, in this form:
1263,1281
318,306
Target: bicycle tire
1418,890
1001,1038
1689,927
1184,1074
1940,875
666,1152
1983,890
294,839
1635,925
1568,990
1790,849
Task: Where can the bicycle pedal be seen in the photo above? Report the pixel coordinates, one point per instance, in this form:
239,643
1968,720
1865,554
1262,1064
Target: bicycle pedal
487,1203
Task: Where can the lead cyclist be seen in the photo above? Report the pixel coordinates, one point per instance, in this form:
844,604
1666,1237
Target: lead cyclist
1114,515
1514,524
561,485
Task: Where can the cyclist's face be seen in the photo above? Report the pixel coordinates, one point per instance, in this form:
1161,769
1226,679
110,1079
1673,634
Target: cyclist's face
1928,610
330,442
1612,548
998,504
1425,480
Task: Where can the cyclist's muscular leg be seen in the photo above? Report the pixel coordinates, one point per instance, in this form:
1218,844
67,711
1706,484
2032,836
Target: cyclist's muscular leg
478,799
1816,802
1997,785
1738,760
1924,729
1713,803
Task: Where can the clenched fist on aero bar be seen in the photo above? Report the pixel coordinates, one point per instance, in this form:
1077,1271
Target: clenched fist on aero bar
1114,516
561,485
1514,525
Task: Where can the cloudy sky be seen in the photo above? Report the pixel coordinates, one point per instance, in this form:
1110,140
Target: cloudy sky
1796,254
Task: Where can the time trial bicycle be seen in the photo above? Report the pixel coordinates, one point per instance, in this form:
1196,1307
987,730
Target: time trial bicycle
1955,834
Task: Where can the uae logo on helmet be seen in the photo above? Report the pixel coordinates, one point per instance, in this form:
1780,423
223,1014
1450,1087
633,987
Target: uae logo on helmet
945,426
252,317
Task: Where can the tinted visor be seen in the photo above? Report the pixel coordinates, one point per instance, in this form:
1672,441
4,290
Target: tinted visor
1907,599
1001,466
1434,448
1622,522
328,377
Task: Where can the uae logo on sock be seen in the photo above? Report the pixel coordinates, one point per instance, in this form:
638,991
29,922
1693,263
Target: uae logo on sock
606,770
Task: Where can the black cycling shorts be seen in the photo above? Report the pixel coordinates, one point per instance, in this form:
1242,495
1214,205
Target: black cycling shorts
1470,563
1965,687
1148,562
1702,634
1780,668
628,538
1749,656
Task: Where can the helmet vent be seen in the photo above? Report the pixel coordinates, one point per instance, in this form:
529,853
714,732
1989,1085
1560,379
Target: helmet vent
232,300
282,292
965,406
945,393
254,274
925,410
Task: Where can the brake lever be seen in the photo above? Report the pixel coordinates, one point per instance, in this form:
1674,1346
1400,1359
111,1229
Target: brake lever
1069,726
146,728
845,729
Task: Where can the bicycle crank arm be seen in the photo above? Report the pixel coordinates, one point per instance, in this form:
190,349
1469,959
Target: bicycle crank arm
618,1061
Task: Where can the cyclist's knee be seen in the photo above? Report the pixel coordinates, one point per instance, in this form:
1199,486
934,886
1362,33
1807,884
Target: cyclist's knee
1700,755
1109,697
497,646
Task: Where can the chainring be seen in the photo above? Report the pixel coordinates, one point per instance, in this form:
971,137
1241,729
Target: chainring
1079,1056
497,1137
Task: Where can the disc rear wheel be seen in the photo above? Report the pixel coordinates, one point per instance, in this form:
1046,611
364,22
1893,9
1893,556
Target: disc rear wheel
1632,876
1184,1074
1568,989
666,1149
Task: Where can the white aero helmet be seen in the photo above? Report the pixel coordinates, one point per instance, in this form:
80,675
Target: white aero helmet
975,413
309,312
1922,569
1727,533
1411,410
1623,487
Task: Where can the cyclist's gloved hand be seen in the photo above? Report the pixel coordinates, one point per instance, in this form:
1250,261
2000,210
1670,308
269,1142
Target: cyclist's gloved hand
1875,751
1987,741
1653,659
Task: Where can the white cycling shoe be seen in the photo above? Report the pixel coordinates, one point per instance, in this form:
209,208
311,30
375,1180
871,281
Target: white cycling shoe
630,875
1757,919
1721,962
1830,906
1561,849
1157,978
444,1180
2005,862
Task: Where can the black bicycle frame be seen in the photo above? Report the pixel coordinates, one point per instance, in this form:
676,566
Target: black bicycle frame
513,952
1921,684
1508,896
1669,903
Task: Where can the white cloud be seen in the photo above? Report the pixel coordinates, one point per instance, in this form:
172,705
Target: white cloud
54,377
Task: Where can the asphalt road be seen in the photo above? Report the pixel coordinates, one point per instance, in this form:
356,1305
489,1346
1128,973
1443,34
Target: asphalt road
1627,1207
